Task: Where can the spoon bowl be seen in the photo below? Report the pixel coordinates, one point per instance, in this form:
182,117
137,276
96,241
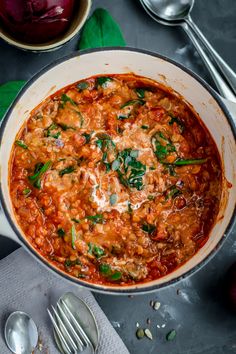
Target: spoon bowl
170,10
21,333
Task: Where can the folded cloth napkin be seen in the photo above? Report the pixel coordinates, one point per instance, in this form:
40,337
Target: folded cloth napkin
28,286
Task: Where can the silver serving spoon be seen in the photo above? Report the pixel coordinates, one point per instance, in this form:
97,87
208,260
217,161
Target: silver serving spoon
21,333
177,13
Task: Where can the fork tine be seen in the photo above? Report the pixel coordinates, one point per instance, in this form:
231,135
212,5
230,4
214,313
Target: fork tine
59,333
65,330
80,329
71,327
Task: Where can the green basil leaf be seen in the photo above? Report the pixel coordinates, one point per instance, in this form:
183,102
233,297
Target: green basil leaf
87,137
8,93
100,30
144,126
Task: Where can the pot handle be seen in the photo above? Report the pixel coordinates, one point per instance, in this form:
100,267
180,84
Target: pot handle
5,228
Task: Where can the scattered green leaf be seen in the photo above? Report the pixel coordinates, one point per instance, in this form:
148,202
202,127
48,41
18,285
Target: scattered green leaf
82,85
73,237
144,127
132,103
27,192
96,219
149,228
97,251
140,92
103,81
21,144
87,136
61,232
65,99
66,170
40,169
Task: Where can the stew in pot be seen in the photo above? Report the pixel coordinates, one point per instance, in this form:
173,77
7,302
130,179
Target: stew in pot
115,180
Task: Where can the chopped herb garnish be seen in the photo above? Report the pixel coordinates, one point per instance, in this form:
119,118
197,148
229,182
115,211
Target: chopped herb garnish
123,116
73,237
162,146
171,335
173,193
76,220
152,168
130,210
177,121
149,228
40,169
81,118
68,263
66,170
97,251
116,276
105,268
27,192
87,137
182,162
65,126
150,197
144,126
130,171
61,232
103,81
132,103
65,98
21,144
171,170
82,85
106,271
140,92
113,199
96,219
48,132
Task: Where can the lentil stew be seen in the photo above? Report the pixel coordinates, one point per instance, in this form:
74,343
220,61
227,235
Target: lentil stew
115,180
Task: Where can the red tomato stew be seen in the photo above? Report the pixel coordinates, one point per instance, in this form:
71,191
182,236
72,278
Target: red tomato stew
115,180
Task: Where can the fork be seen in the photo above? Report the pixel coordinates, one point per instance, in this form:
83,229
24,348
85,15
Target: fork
72,337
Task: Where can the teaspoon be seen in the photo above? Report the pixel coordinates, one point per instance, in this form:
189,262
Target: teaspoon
222,86
21,333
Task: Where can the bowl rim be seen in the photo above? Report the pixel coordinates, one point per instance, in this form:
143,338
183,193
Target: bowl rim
97,287
52,46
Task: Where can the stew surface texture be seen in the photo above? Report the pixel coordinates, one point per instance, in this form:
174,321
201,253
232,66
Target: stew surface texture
115,180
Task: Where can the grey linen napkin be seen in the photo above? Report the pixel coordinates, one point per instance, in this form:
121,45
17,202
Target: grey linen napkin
28,286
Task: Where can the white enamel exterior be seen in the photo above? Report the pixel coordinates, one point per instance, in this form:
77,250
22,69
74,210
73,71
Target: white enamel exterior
125,61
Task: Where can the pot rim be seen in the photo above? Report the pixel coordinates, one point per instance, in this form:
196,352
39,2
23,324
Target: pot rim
90,286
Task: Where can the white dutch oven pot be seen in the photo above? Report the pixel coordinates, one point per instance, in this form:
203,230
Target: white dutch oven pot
78,66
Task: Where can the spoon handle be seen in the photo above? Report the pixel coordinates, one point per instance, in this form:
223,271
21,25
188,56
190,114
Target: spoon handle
229,74
221,84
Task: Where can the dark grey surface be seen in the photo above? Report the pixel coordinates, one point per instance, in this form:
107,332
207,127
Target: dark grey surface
196,310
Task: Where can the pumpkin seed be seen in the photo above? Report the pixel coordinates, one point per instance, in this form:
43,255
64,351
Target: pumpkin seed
148,334
171,335
140,333
156,305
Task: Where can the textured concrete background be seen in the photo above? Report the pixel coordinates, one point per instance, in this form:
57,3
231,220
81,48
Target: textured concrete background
194,306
